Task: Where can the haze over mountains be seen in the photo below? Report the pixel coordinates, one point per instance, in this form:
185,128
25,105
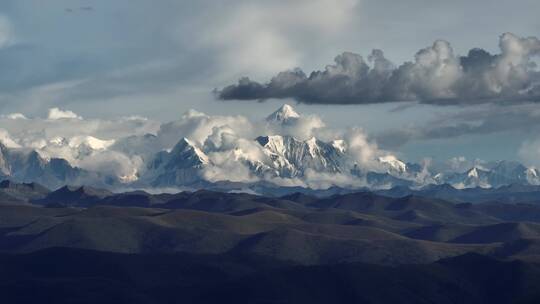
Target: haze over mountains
198,151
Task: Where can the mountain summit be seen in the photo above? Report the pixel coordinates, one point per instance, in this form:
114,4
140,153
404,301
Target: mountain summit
285,113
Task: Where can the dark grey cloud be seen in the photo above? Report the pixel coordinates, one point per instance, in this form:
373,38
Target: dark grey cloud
522,119
435,76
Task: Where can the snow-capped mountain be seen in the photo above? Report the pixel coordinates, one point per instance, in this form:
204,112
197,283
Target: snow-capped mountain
491,175
283,114
393,165
5,169
28,166
72,149
181,166
217,150
291,157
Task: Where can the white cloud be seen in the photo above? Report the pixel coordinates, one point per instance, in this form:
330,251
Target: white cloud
113,163
265,35
302,127
56,113
529,152
198,127
15,116
360,148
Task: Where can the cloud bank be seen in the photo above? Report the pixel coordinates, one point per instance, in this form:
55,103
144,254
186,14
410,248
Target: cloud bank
437,75
481,120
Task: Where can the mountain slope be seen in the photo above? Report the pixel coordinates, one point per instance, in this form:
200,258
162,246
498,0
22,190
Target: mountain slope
180,166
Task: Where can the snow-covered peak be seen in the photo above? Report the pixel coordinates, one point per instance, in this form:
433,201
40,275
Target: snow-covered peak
185,147
58,141
473,173
478,171
276,143
291,157
7,141
286,112
393,163
312,146
91,142
77,142
340,145
532,172
532,176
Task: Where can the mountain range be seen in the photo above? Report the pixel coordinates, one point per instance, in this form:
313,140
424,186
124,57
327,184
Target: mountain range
354,227
269,160
84,244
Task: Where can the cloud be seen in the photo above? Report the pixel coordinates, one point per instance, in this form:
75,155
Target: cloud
198,127
302,127
267,35
529,152
113,163
15,116
437,75
362,150
85,143
481,119
56,113
65,134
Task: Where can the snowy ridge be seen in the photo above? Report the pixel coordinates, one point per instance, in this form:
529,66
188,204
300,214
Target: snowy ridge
215,150
285,113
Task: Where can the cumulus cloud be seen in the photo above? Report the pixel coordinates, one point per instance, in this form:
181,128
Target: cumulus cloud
198,127
437,75
113,163
56,113
301,127
363,151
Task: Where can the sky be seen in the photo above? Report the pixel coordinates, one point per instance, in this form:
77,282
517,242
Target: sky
107,59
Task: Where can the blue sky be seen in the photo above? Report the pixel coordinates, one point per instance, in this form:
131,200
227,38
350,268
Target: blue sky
158,59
